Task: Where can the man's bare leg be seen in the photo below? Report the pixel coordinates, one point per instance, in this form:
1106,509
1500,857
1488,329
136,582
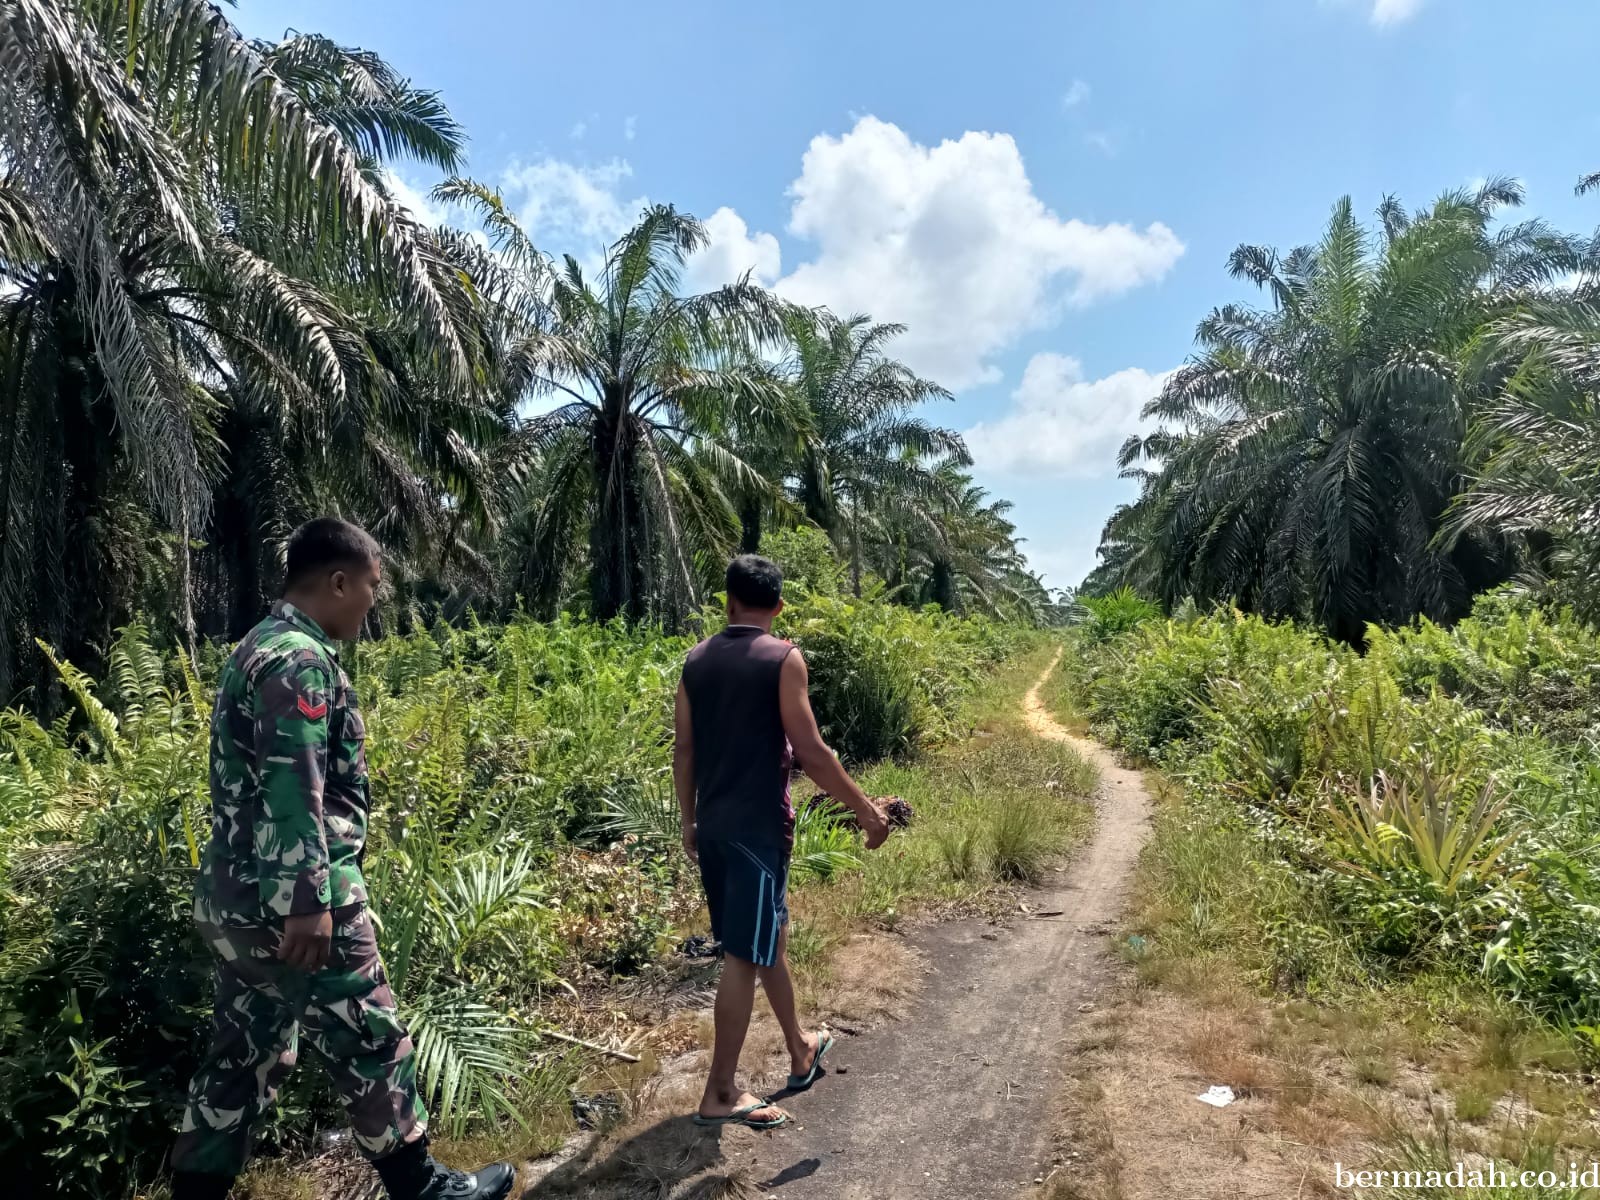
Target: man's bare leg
779,987
736,997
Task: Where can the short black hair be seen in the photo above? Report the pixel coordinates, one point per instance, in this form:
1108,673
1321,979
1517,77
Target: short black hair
327,544
755,582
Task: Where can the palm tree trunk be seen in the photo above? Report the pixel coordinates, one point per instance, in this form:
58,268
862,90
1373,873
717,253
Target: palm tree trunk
942,585
855,553
606,533
186,586
237,543
607,561
87,562
750,527
637,582
814,498
618,540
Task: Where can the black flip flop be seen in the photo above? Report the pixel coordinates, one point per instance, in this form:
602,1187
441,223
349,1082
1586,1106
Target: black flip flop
799,1083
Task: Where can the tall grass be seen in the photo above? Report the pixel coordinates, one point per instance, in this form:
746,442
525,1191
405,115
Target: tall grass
1021,842
1426,804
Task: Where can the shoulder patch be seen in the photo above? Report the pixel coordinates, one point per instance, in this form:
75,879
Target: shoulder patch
312,712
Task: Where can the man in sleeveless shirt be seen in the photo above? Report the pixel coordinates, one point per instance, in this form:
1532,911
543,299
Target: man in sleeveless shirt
743,720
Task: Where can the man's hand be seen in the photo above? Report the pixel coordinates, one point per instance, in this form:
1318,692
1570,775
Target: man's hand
690,843
306,939
874,824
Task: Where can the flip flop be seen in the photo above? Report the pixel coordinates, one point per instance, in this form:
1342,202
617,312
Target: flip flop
800,1083
741,1116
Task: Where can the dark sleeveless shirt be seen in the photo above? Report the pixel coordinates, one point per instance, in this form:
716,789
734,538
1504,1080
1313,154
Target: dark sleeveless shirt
742,758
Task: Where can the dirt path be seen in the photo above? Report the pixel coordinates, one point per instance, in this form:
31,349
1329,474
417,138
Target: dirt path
955,1102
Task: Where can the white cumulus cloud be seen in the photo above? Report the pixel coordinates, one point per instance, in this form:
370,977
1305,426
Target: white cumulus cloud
568,208
409,196
952,241
1061,424
731,250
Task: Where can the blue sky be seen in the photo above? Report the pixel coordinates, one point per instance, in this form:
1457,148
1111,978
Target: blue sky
1045,192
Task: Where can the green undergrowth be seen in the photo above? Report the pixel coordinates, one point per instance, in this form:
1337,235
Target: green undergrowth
1400,840
995,806
521,784
1431,1066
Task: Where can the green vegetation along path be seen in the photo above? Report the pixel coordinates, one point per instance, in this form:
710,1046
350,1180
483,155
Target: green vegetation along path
955,1102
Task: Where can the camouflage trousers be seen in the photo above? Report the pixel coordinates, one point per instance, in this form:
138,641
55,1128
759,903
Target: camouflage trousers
347,1013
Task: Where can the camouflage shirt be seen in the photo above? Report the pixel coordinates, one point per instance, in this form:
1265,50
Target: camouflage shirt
289,792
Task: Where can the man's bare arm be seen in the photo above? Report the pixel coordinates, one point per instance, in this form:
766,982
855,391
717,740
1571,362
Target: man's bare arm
825,770
683,769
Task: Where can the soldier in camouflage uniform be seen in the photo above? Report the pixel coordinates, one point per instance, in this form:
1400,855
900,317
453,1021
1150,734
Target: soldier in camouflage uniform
281,902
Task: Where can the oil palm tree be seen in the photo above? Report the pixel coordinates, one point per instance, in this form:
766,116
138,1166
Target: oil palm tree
419,459
961,553
1315,446
181,228
864,441
635,464
1537,473
391,439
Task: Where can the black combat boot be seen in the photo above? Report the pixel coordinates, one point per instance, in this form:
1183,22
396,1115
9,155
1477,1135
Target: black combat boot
196,1185
411,1173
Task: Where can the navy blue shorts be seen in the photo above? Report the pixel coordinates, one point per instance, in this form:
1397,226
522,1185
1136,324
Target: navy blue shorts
747,892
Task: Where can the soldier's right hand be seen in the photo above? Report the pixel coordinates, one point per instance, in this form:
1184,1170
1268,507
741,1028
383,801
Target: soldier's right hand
306,939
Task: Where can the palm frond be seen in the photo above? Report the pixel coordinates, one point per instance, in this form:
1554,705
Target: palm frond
467,1056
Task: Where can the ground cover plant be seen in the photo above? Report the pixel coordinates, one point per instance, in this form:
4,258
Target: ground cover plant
1407,831
1435,794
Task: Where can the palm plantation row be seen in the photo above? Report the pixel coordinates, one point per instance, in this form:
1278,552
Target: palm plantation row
216,320
1411,421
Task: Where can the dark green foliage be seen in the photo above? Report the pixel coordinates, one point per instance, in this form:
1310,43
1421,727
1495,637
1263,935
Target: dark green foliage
200,334
808,562
1527,668
959,551
101,978
884,678
1315,446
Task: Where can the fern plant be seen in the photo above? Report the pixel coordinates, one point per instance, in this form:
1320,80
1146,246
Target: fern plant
469,1056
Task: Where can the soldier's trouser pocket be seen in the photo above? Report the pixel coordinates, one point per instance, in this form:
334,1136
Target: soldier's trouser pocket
348,1015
